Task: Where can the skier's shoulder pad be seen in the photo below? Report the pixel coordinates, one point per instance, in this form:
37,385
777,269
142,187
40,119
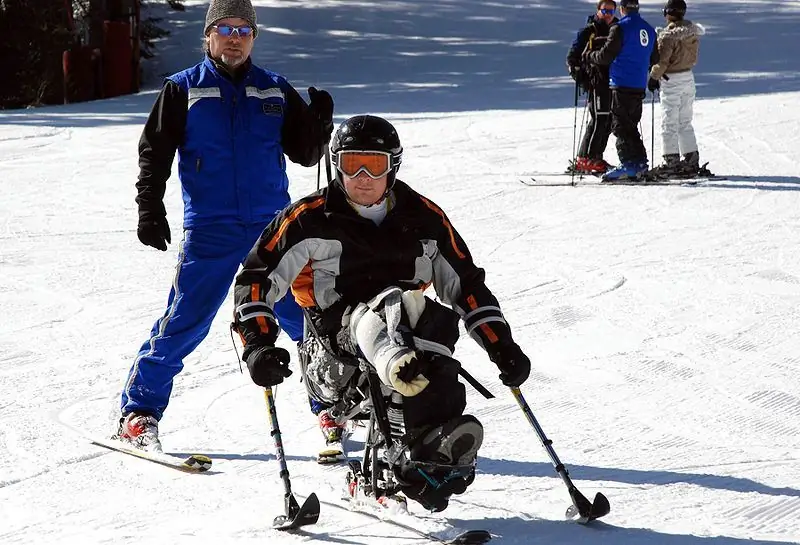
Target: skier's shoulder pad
306,205
268,78
416,203
186,77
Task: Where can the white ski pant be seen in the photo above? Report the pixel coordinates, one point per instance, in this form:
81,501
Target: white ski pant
677,109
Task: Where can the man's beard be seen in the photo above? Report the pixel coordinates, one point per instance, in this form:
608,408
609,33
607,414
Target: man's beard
231,61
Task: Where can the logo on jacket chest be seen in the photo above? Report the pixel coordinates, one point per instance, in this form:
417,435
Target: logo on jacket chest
270,108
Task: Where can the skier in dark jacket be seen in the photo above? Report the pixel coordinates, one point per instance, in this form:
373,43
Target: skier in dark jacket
358,255
629,52
594,79
231,122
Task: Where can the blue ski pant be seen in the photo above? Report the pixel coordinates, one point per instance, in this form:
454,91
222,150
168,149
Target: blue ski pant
208,262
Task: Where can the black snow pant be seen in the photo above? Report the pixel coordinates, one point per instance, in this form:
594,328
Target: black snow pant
595,139
626,113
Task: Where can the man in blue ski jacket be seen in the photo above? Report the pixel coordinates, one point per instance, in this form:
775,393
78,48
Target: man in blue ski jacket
629,52
231,123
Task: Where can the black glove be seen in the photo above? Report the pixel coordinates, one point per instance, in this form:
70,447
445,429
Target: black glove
321,105
580,77
417,366
575,73
513,364
154,231
268,365
653,85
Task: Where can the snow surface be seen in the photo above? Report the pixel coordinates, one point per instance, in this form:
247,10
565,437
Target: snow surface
660,321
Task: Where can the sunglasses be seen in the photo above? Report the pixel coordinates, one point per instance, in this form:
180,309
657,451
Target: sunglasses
352,162
226,31
607,11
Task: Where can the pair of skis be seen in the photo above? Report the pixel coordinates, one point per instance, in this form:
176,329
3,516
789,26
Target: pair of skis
295,515
653,177
582,510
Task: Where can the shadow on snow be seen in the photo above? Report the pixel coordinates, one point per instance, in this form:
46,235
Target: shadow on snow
415,56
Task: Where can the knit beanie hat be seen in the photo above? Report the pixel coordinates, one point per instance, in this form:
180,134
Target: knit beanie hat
675,7
222,9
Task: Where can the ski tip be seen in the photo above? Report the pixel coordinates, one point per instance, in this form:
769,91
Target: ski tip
198,462
331,455
471,537
329,460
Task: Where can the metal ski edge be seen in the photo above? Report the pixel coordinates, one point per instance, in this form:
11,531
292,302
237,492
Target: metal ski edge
195,463
467,537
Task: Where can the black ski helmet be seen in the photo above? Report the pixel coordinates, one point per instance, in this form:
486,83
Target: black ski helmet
676,8
368,133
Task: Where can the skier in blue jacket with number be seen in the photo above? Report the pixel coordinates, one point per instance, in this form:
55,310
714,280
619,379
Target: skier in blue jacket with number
630,50
231,123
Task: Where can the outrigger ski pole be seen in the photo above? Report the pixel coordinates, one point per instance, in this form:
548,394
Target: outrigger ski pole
296,516
581,509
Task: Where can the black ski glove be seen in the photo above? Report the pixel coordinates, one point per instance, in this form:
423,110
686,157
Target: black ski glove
153,230
653,85
514,365
268,365
321,105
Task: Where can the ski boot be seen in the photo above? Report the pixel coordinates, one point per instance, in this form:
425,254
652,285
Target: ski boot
140,430
442,462
333,433
586,165
690,166
627,171
670,167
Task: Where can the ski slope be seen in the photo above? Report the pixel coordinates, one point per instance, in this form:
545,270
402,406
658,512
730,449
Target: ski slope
660,320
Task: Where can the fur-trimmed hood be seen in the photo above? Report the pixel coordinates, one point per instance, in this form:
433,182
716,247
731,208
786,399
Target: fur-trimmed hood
680,30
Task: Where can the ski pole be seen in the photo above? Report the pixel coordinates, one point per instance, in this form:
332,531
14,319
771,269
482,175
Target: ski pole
574,133
319,169
653,128
295,516
581,507
328,173
581,133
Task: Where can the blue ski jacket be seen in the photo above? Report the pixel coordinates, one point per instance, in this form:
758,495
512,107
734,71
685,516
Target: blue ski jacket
630,50
230,133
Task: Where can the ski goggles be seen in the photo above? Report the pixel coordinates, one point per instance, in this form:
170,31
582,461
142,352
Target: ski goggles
352,162
226,31
608,11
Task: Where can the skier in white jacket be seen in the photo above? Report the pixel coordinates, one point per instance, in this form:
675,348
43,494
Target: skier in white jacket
678,46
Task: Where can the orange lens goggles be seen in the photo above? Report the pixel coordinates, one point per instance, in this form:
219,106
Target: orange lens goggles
374,163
